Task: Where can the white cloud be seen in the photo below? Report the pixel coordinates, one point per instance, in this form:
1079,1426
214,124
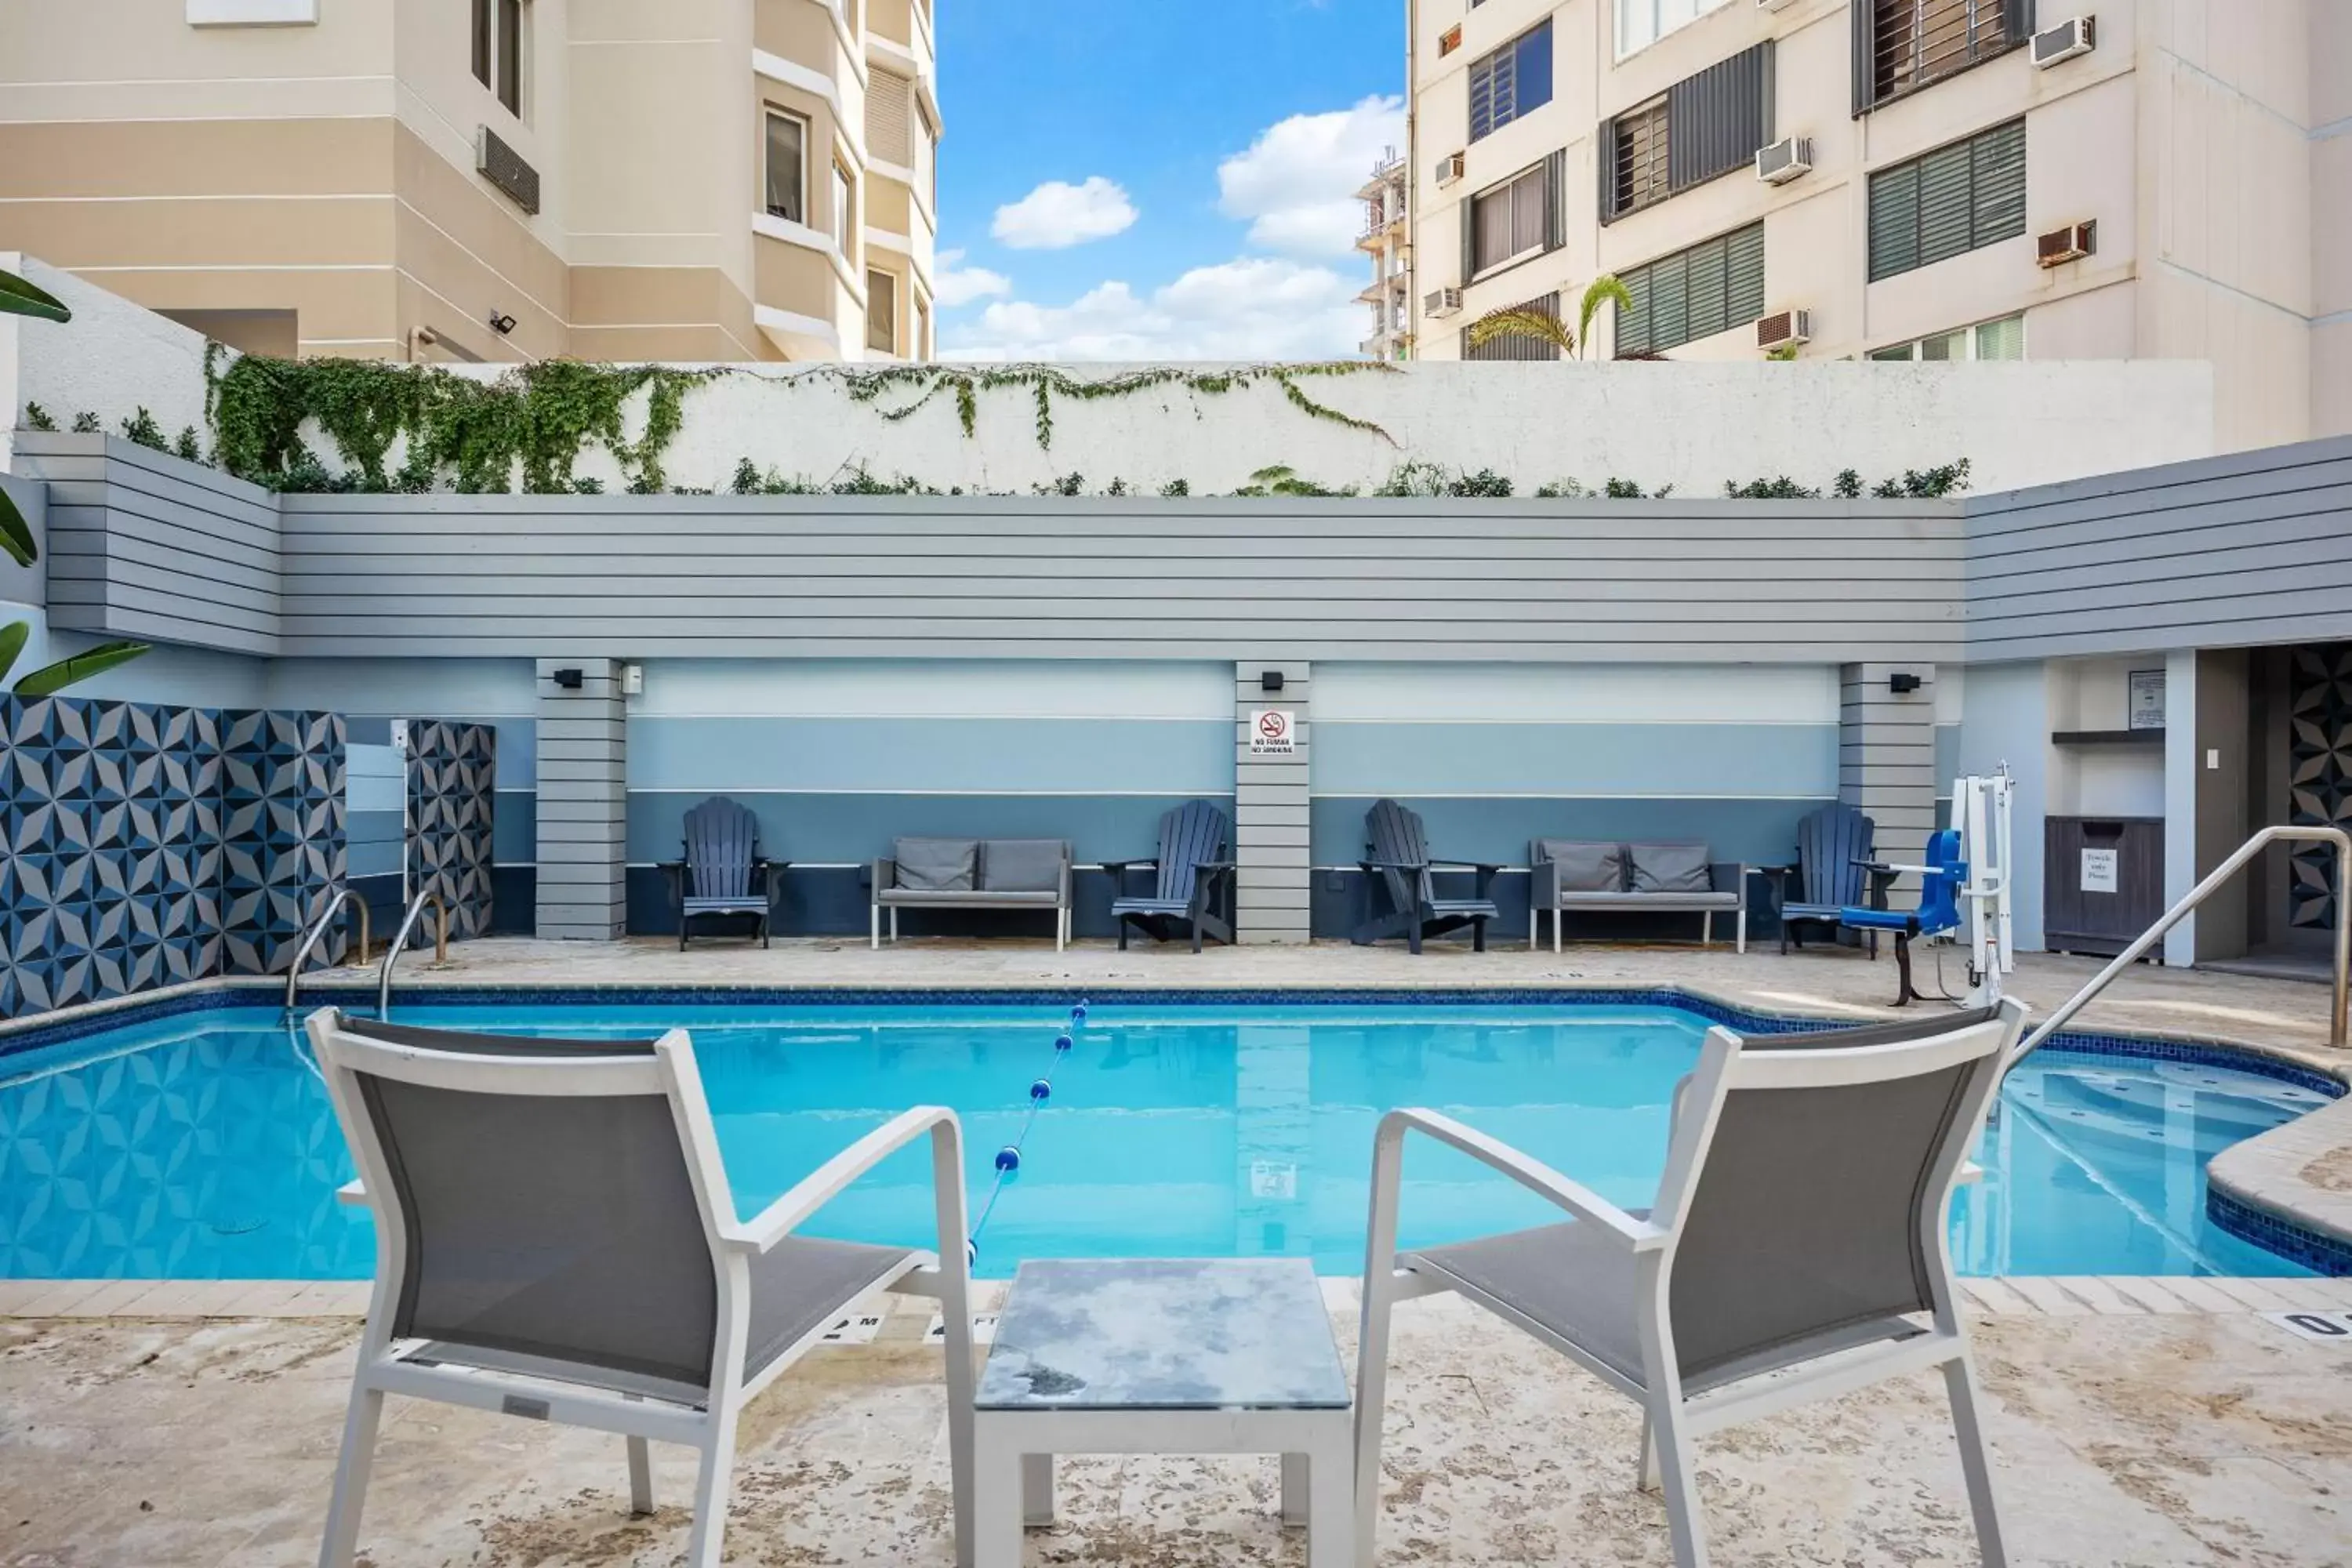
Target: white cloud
1057,214
1297,183
953,284
1251,307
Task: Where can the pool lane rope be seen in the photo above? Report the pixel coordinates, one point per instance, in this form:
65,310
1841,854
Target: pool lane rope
1008,1159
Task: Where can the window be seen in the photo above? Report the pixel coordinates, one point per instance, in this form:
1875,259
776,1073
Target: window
498,37
1900,46
1511,345
1953,200
1711,287
1639,158
1515,79
927,155
1703,126
889,118
844,202
881,311
1641,23
1508,221
787,166
1986,341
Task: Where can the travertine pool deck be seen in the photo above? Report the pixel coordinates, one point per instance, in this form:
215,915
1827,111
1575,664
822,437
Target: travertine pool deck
2133,1421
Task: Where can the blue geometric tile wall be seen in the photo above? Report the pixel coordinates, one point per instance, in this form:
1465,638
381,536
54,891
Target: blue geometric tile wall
141,846
452,793
2319,782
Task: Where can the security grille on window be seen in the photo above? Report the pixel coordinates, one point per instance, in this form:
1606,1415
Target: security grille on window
1515,79
1953,200
1900,46
881,311
1711,287
1509,221
1640,163
787,167
498,46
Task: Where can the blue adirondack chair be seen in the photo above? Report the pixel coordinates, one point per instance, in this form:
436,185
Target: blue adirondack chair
1834,870
722,872
1397,871
1938,911
1191,869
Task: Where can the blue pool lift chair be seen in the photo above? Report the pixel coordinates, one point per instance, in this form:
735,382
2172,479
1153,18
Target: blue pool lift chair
722,871
1191,872
1940,908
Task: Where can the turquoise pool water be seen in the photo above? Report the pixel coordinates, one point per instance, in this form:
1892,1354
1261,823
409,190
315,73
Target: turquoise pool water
203,1146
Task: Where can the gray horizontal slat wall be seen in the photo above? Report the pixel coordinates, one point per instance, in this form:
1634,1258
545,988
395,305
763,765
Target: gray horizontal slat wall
1283,580
143,544
2255,547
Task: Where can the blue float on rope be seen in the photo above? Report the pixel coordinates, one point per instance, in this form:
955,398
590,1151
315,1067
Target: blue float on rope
1042,1089
1061,1043
1008,1158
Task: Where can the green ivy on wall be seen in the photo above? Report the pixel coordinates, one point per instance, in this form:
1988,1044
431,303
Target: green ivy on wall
1045,383
531,423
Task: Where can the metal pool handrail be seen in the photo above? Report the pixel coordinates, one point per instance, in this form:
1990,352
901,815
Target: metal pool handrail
2198,895
408,925
318,933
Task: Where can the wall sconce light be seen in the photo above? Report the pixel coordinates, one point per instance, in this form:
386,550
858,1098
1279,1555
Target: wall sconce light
1270,680
1902,683
501,321
569,680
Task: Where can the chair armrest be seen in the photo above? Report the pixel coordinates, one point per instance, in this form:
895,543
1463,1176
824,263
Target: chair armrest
1533,1174
1214,865
884,874
1371,866
353,1192
825,1184
1121,868
1465,866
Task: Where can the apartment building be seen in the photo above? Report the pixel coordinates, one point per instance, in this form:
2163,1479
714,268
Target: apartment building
1387,208
1903,180
699,180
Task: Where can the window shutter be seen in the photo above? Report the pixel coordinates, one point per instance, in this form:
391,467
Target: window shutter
1633,321
1743,275
1945,215
1469,211
1605,161
1865,55
2016,19
1999,176
1482,97
1707,290
1670,299
1555,199
1893,221
1718,118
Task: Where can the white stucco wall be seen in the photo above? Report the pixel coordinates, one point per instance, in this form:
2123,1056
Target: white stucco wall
1691,426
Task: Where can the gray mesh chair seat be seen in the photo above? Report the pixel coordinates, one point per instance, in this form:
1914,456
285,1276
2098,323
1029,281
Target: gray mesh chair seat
556,1239
1799,1229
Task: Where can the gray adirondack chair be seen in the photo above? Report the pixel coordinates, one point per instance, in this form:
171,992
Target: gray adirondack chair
722,872
1191,869
1835,858
1398,870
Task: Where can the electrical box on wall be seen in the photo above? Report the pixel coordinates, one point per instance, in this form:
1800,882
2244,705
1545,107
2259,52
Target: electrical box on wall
632,680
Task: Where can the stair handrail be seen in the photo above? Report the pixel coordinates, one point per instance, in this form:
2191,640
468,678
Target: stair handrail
318,933
407,926
2198,895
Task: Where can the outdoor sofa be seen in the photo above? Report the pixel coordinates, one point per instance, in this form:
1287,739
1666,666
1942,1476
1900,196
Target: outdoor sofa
1677,879
975,874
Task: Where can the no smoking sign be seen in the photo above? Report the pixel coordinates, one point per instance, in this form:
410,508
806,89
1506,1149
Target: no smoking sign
1273,732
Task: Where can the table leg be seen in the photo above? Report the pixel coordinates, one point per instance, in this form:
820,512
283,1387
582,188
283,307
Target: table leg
1295,1488
1036,1489
996,1505
1331,1495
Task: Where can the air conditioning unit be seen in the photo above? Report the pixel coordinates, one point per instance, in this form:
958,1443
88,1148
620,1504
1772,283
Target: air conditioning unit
2078,36
2073,243
1787,329
1449,169
1442,302
1449,41
1785,160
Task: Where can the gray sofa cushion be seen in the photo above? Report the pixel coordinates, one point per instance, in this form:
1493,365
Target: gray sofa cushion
1022,865
1585,867
1670,868
936,864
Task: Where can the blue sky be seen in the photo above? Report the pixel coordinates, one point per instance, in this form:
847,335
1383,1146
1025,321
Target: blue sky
1160,178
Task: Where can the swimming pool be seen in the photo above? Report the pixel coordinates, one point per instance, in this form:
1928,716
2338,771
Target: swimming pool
201,1145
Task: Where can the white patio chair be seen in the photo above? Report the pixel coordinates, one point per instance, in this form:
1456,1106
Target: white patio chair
1799,1231
555,1240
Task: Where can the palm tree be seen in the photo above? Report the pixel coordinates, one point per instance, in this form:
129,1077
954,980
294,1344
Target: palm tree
18,298
1546,327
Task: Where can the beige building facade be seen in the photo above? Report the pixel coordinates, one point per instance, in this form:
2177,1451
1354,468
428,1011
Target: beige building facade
2167,179
497,180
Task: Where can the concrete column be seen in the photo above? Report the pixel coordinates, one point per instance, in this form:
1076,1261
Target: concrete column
1273,877
2208,808
583,801
2180,763
1886,761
